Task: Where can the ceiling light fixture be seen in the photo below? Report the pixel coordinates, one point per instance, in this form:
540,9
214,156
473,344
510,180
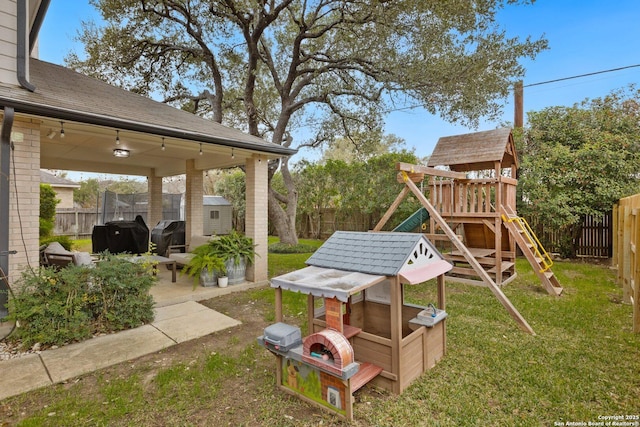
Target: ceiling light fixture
61,129
233,156
200,149
163,147
120,152
117,136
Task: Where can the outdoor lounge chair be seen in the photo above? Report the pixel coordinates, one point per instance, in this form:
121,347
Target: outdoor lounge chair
182,258
55,255
58,261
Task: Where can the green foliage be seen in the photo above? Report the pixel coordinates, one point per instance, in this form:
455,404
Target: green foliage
127,186
88,194
204,258
281,263
233,246
58,307
45,227
578,161
65,241
362,147
119,293
48,202
359,187
283,248
49,307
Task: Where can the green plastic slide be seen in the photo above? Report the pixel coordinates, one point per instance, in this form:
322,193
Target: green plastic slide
414,221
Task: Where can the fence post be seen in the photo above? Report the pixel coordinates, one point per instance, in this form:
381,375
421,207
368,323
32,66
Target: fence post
635,270
626,255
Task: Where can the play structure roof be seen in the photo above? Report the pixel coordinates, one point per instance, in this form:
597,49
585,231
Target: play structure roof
475,151
349,262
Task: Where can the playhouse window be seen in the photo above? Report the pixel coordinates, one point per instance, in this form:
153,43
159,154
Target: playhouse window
214,215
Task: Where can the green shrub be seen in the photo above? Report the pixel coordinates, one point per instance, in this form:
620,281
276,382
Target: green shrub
49,307
65,241
119,294
282,248
46,227
48,202
58,307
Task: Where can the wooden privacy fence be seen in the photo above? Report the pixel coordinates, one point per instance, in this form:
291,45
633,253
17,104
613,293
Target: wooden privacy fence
596,236
626,253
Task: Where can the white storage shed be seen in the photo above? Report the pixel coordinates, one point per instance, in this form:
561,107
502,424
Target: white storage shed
217,215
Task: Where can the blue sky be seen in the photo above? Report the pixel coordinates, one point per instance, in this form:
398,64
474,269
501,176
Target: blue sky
584,36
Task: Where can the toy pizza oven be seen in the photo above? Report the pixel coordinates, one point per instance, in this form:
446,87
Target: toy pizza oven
331,351
282,337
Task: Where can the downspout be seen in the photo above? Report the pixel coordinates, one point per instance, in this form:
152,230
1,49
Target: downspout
5,154
21,57
37,23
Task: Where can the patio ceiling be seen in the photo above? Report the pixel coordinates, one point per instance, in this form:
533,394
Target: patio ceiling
89,148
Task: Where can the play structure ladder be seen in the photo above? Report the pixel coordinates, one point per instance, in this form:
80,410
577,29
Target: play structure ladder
532,249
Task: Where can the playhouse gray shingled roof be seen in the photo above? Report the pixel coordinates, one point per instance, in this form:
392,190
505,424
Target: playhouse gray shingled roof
371,253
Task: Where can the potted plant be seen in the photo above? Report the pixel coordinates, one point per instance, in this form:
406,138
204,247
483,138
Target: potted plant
237,251
206,265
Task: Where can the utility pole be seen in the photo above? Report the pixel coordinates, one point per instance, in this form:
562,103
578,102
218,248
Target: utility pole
518,105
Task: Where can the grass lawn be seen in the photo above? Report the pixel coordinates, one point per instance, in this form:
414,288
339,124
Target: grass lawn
582,364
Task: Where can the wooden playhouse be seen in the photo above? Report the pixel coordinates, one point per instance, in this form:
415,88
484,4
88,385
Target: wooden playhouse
360,328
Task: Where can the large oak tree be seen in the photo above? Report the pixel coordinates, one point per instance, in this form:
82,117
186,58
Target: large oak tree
316,69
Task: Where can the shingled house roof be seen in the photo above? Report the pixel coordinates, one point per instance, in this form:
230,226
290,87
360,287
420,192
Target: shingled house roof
56,181
475,151
68,95
371,253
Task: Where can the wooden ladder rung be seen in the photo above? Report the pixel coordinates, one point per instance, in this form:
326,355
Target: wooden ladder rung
504,267
366,373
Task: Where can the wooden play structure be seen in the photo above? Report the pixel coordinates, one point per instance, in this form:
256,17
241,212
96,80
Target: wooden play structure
471,202
626,252
360,328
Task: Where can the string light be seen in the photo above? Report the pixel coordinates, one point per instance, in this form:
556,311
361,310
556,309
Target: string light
233,156
61,129
117,136
163,147
200,149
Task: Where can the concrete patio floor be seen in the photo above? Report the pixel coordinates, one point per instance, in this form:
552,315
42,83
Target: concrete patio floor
178,318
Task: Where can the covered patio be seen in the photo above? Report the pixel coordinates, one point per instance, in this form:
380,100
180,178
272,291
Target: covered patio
54,118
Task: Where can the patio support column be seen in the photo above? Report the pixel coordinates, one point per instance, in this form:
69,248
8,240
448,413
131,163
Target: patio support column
193,201
24,206
256,217
154,208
